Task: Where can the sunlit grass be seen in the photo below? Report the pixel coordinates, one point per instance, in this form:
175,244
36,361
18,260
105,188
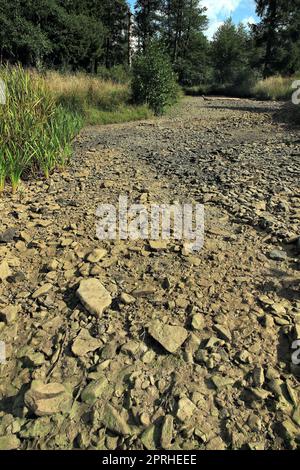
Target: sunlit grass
275,88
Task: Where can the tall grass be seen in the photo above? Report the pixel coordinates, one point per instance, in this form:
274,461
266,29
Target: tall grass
78,92
43,114
34,131
98,101
275,88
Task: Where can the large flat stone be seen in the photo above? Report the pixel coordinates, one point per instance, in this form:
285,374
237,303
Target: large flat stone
169,336
93,296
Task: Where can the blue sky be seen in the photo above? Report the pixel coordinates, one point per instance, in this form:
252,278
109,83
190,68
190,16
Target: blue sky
219,10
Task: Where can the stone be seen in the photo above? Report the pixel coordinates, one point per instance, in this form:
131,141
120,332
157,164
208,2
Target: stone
114,421
94,390
145,419
127,299
43,290
94,297
8,235
151,437
278,255
85,343
9,442
198,321
97,255
158,245
145,291
216,444
9,314
221,382
186,409
47,399
5,271
223,332
52,265
167,432
296,415
289,430
148,357
258,376
169,336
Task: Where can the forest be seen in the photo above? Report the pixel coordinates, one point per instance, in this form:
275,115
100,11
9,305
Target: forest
90,35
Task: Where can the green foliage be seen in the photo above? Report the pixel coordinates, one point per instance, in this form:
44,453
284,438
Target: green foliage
179,25
154,81
125,113
65,34
278,36
147,20
117,74
229,53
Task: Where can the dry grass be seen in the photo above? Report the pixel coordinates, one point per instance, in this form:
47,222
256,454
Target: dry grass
80,91
275,88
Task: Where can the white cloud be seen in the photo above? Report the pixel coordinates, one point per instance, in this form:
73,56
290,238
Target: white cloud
217,11
216,8
249,20
214,25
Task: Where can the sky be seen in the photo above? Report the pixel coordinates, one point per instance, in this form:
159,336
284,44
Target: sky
219,10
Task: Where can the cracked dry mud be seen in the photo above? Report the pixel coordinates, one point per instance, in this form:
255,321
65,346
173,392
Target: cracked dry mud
181,351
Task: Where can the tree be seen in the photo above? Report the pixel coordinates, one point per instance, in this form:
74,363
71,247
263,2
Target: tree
114,16
278,34
154,81
147,20
229,52
182,31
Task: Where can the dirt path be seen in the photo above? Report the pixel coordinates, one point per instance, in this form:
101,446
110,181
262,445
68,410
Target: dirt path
232,310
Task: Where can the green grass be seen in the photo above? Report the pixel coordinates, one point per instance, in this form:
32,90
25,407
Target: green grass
43,114
35,132
96,116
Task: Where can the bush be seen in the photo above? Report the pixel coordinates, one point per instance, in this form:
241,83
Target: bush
154,81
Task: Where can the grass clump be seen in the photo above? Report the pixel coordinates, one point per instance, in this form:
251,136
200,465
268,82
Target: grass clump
275,88
35,133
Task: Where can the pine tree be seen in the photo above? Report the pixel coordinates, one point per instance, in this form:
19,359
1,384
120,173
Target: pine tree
182,30
229,52
148,21
278,34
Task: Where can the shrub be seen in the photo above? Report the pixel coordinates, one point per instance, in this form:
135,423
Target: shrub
43,114
154,81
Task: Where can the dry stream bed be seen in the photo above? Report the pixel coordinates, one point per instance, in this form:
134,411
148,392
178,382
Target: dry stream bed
159,348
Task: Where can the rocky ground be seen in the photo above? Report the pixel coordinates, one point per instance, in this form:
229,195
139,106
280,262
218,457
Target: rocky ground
132,344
